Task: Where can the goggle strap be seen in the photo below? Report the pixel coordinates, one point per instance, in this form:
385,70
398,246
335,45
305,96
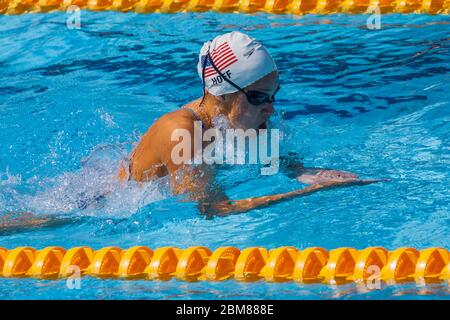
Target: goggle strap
203,79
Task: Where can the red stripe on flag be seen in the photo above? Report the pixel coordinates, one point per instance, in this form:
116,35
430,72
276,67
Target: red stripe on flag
224,65
230,62
217,59
222,57
215,53
221,54
210,73
219,47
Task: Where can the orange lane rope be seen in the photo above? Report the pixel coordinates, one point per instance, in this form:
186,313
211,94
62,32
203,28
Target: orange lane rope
297,7
310,265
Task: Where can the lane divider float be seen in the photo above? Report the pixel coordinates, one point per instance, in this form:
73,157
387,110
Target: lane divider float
297,7
199,263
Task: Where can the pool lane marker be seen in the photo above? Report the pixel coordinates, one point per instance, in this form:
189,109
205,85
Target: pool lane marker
297,7
199,263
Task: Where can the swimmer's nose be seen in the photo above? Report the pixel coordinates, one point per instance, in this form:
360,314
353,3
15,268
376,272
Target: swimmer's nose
268,109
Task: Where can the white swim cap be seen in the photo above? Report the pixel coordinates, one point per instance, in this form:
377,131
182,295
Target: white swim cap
240,58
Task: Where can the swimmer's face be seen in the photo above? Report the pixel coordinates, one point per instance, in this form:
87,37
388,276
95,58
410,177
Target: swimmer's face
243,114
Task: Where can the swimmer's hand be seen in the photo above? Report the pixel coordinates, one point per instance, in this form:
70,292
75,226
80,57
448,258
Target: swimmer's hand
322,176
228,207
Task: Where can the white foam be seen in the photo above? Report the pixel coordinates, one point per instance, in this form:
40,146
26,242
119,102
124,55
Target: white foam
93,190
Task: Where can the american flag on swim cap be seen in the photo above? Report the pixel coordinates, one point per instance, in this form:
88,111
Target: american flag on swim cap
222,57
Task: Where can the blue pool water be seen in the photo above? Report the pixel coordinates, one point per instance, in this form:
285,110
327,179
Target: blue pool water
374,102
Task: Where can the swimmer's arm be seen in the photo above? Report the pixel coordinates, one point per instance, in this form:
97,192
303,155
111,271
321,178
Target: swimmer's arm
228,207
13,222
195,180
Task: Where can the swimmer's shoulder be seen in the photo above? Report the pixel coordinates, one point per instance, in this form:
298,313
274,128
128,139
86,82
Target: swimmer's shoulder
182,118
156,145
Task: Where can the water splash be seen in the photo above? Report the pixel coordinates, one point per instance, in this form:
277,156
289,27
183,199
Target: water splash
93,190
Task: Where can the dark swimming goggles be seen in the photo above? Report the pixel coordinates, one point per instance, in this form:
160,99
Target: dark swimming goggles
256,98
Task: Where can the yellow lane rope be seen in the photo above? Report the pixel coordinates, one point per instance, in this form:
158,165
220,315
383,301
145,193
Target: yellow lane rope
310,265
297,7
